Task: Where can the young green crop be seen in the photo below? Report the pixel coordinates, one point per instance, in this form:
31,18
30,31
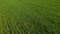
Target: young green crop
29,16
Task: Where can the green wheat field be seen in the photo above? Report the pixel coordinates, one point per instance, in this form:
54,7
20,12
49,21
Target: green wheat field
29,16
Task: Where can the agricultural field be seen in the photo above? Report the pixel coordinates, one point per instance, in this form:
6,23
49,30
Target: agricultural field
29,16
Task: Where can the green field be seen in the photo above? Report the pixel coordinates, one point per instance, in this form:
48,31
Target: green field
29,16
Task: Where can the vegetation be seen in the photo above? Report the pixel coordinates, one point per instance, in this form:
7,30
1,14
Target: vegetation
29,16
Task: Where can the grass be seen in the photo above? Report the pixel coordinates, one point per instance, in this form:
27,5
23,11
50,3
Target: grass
29,16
